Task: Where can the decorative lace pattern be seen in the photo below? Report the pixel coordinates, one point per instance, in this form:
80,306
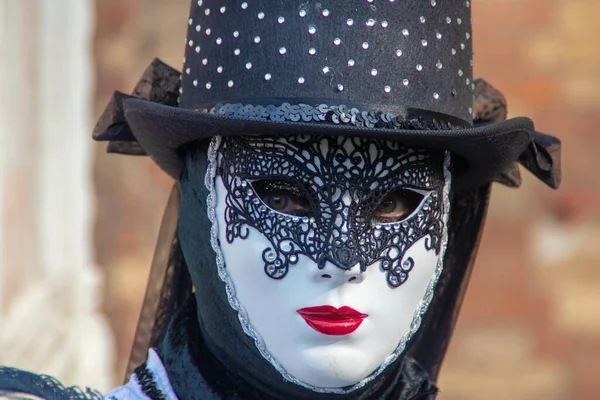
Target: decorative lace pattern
243,315
148,384
336,114
24,384
343,198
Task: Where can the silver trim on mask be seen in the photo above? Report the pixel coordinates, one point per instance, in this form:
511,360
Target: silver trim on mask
247,327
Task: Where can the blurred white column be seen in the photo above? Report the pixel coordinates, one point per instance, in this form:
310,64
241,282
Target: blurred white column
3,55
50,290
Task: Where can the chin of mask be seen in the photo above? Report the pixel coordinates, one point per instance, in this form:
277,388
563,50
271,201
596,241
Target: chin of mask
330,248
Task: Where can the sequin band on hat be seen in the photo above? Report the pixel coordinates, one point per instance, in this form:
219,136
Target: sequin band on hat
336,114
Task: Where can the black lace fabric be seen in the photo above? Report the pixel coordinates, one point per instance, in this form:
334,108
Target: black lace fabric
148,384
168,287
19,384
343,180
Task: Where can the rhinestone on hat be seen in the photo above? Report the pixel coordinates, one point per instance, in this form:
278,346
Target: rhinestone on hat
424,41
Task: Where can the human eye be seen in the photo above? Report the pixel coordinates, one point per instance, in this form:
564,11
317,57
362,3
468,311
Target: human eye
397,205
282,196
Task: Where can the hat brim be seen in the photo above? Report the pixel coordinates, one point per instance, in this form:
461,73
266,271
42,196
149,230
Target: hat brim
483,151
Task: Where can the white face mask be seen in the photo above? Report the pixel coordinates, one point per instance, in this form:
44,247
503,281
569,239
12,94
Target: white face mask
330,249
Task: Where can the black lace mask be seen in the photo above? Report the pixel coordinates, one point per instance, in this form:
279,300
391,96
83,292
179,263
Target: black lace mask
342,181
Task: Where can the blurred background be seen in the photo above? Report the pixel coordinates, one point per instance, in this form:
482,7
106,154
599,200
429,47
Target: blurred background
78,226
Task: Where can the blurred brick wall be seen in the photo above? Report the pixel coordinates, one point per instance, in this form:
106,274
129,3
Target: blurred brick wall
530,325
131,191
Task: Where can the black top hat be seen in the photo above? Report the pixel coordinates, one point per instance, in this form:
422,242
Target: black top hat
388,69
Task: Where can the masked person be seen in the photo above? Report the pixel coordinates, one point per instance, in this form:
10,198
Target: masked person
333,163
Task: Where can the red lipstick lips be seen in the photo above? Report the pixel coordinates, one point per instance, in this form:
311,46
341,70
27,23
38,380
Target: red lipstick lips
329,320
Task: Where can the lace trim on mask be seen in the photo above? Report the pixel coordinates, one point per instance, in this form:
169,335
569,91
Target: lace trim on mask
335,114
247,327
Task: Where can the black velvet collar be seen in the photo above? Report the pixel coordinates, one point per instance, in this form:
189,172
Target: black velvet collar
195,373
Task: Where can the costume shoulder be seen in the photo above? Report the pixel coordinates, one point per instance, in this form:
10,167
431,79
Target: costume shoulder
19,384
148,382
